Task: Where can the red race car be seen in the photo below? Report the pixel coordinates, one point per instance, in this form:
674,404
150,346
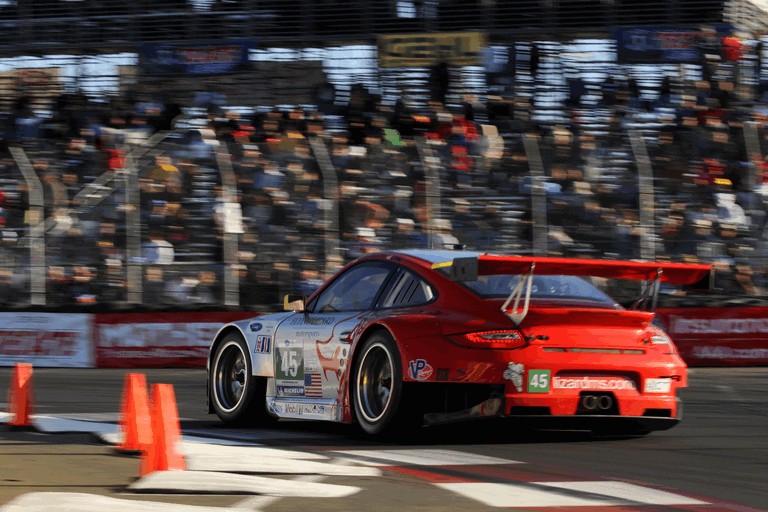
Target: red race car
402,339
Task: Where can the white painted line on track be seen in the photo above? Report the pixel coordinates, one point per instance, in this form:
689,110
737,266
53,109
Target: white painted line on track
228,483
567,494
419,457
117,437
260,502
518,495
195,448
5,417
51,424
632,492
104,417
253,436
275,464
79,502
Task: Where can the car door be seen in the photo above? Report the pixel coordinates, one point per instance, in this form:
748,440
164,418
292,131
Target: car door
312,347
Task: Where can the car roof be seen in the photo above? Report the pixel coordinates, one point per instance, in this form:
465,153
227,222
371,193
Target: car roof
433,256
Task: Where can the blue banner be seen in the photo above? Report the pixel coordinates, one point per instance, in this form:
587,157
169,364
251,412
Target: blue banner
662,45
217,59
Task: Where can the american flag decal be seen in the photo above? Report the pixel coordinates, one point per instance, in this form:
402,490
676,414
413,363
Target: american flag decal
263,344
313,385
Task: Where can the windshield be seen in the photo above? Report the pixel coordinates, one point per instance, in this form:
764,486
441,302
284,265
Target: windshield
543,287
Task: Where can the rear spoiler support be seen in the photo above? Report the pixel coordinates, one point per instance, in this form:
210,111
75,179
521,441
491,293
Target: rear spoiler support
523,284
650,292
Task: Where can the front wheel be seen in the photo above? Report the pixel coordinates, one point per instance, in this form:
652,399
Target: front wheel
237,396
381,406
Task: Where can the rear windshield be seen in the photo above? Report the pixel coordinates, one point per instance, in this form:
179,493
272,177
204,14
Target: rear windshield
543,287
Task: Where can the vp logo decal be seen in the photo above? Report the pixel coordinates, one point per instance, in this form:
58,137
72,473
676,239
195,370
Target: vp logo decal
420,369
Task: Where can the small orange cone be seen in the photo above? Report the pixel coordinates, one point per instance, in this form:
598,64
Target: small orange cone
135,422
20,400
163,453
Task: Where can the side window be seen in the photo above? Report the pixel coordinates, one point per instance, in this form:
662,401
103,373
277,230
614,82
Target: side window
354,290
407,290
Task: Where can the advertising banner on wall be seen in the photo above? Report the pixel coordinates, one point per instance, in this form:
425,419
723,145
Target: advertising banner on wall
46,339
732,336
423,50
151,340
662,45
225,57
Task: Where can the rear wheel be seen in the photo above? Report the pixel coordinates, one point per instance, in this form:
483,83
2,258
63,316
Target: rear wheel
381,406
237,396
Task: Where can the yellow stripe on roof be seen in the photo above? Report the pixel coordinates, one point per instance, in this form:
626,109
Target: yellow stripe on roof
442,264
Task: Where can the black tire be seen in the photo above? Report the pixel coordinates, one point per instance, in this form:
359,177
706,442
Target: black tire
381,406
237,397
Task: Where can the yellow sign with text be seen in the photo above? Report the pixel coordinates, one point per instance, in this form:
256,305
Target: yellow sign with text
416,50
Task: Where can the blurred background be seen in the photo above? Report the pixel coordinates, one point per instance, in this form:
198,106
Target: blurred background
223,153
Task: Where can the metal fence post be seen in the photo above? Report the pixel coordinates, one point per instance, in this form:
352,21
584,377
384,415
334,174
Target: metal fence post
132,232
330,204
36,219
431,164
539,225
647,200
231,226
752,143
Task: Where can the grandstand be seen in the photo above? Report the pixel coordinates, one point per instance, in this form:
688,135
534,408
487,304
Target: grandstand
174,154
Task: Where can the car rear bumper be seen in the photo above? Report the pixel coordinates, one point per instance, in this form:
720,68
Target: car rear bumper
647,414
596,423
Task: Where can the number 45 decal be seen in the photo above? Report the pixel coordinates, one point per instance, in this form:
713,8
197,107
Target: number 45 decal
291,365
538,381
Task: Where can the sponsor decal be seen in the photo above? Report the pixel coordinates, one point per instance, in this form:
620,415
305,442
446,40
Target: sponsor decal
290,390
420,369
514,373
294,409
442,374
313,320
313,409
276,408
657,385
263,344
538,381
256,327
592,383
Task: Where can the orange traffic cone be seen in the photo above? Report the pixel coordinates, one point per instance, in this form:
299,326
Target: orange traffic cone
163,453
20,400
135,422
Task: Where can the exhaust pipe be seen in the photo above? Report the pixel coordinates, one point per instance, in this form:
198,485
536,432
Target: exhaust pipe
592,402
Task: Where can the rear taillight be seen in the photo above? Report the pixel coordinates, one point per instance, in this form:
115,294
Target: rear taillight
490,339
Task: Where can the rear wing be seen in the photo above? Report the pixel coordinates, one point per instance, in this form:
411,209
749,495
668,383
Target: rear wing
693,275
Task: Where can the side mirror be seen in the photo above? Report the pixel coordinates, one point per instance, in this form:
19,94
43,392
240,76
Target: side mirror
294,303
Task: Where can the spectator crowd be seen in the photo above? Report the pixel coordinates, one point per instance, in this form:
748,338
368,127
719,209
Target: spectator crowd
315,186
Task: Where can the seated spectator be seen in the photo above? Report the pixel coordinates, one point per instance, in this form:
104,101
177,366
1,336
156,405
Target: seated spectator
157,250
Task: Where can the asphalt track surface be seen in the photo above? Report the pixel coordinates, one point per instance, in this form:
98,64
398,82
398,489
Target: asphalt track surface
716,459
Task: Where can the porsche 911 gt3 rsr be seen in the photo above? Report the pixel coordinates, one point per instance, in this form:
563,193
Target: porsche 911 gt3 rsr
397,340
